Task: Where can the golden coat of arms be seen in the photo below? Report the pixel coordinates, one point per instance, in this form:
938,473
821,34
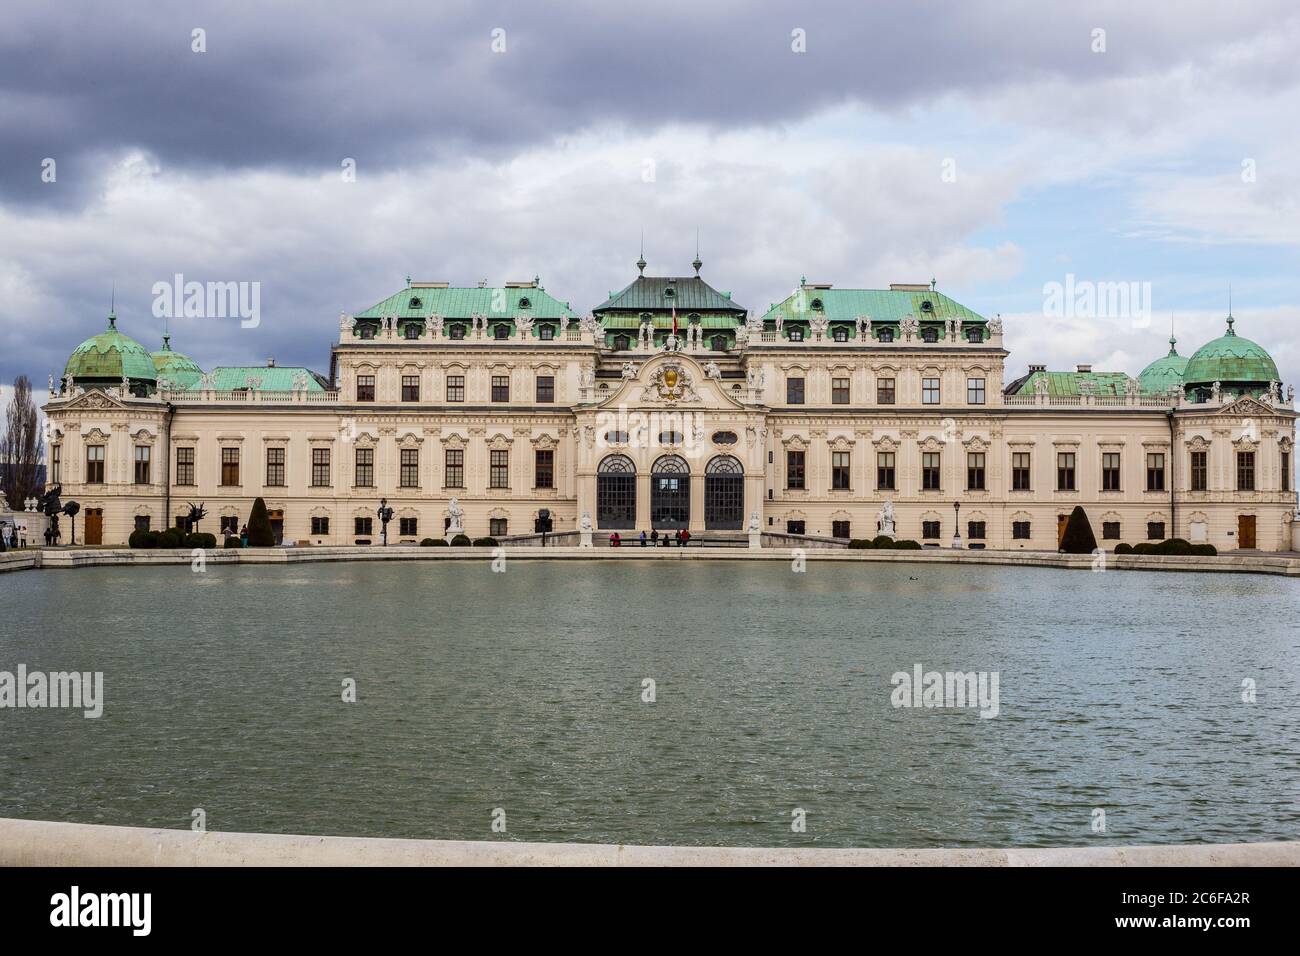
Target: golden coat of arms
671,383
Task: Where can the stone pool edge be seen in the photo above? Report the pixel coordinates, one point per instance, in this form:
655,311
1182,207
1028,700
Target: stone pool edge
46,843
1255,563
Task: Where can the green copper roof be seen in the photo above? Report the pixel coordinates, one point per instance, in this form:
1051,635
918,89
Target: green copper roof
417,302
1230,358
879,305
277,378
179,369
1067,383
110,355
1164,371
662,294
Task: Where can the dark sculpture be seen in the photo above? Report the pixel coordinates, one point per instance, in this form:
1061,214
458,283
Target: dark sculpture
385,516
197,514
52,507
71,509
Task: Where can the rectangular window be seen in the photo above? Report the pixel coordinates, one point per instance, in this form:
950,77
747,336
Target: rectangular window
975,391
142,464
408,527
230,525
365,468
320,468
1286,471
409,469
1155,530
544,468
410,388
1155,471
499,468
839,391
975,471
500,388
545,389
497,527
94,464
1199,471
839,529
1020,530
840,470
184,466
362,526
1245,471
794,527
929,391
454,468
230,466
56,464
884,391
794,469
794,391
141,522
455,388
1020,471
975,530
885,471
1110,530
929,529
930,470
1110,471
320,525
275,468
365,388
1065,471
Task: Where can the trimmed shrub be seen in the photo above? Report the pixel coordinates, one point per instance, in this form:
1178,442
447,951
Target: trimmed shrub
906,544
1204,550
1173,546
860,544
1143,547
428,543
1123,548
233,542
488,542
201,539
171,538
439,542
260,534
461,541
1078,537
143,539
882,541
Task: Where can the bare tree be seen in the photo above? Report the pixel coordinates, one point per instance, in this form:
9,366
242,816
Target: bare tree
21,448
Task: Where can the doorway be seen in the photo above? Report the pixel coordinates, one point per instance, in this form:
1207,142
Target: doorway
1246,531
670,494
94,532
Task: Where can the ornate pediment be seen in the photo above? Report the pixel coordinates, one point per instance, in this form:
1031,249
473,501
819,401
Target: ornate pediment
669,379
1245,405
96,399
670,383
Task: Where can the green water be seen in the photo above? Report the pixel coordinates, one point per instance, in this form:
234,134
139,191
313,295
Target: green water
523,691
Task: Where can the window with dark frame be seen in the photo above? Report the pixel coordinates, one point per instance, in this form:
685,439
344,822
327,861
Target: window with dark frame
454,468
365,388
500,388
839,529
794,391
455,388
975,530
320,468
408,527
929,391
1110,471
885,471
320,525
930,529
1020,530
546,332
930,470
1155,530
1245,471
1155,471
884,391
499,468
275,468
142,470
94,464
544,468
1020,471
362,527
184,466
974,391
1198,471
230,466
840,470
410,388
1110,530
409,468
1065,471
229,525
794,461
365,468
1286,471
497,527
795,527
56,464
975,471
545,389
839,391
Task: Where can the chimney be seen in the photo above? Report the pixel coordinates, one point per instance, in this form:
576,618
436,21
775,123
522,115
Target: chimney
1085,368
1037,368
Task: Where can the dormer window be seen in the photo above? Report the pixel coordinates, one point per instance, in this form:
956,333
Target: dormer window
840,334
457,332
546,332
796,334
501,331
367,331
524,303
929,335
927,306
975,334
719,343
415,302
817,305
670,293
622,343
411,331
885,335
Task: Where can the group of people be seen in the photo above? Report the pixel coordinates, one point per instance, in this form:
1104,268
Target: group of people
681,536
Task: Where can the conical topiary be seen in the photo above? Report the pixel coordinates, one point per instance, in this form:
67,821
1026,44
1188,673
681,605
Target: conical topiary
1078,537
260,534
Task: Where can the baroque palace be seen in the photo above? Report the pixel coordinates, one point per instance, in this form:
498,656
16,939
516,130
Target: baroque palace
671,406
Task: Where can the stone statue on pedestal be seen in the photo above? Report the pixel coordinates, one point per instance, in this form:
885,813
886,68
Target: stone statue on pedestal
457,515
885,520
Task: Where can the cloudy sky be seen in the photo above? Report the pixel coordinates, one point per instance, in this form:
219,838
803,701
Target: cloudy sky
996,147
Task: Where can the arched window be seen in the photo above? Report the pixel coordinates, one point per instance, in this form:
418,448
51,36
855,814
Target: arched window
796,334
974,334
501,331
411,331
724,493
616,492
622,343
885,335
930,335
719,343
457,332
367,331
546,332
840,334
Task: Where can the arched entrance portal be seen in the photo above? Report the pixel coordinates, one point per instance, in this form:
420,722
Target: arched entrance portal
724,494
616,493
670,494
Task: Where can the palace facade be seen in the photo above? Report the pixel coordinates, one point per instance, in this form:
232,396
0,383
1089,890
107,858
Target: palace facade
672,406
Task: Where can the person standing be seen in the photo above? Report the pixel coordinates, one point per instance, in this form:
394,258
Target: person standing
243,536
686,537
654,538
643,537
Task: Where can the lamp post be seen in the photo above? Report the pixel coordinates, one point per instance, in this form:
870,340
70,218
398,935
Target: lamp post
385,516
956,525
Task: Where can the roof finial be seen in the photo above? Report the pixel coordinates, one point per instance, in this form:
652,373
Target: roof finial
1173,342
1230,318
697,263
933,282
640,262
408,280
112,306
167,333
